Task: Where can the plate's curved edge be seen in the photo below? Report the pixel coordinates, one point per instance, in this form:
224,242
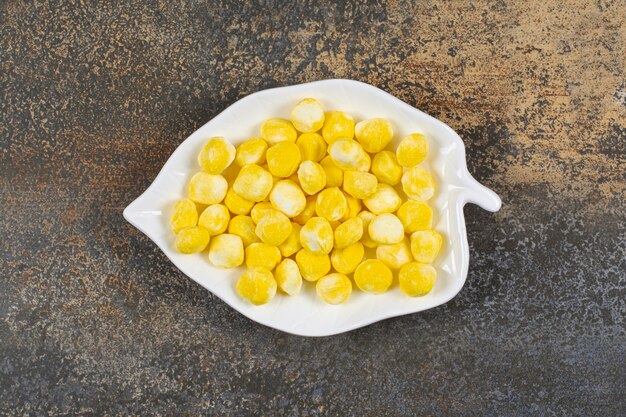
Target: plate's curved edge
475,193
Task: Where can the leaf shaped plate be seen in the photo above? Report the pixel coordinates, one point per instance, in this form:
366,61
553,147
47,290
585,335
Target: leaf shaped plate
306,314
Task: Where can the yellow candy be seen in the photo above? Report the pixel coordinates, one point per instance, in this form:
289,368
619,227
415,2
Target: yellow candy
373,276
237,204
251,151
425,245
273,228
386,168
308,212
386,228
226,251
373,134
334,288
308,115
253,183
215,219
206,188
348,232
262,255
337,124
367,218
283,159
418,184
312,266
334,174
359,184
185,215
384,200
292,244
331,204
354,207
312,177
317,236
287,197
347,259
412,150
192,239
396,255
288,277
277,130
216,155
415,216
257,285
347,154
312,146
417,279
243,226
260,209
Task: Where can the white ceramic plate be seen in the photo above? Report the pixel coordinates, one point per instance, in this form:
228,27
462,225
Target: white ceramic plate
306,314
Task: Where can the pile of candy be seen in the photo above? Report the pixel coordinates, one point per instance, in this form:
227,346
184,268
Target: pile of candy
295,208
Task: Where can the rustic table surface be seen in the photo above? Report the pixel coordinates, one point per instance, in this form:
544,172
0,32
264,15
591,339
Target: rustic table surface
94,320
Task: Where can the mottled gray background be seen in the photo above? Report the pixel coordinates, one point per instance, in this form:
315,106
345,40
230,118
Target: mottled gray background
95,321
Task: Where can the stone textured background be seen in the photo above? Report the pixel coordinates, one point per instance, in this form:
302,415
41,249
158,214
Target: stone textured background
95,321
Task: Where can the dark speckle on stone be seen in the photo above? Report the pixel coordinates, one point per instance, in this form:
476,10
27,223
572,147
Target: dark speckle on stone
94,320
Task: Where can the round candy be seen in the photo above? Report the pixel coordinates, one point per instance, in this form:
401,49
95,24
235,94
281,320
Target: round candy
417,279
312,146
337,124
185,215
384,200
347,259
215,219
425,245
347,154
226,251
207,188
386,168
331,204
373,276
312,266
334,288
412,150
288,197
415,216
251,151
237,204
257,285
308,115
192,239
273,228
253,183
373,134
418,184
277,130
288,277
317,236
312,177
243,226
359,184
283,159
348,232
216,155
395,255
262,255
386,229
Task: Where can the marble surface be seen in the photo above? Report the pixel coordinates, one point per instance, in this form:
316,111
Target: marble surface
95,321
